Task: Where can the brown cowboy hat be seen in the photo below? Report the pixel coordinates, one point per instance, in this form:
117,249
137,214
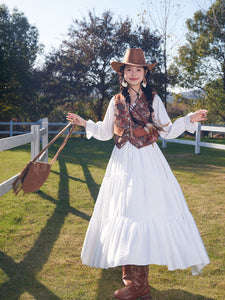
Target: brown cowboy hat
132,57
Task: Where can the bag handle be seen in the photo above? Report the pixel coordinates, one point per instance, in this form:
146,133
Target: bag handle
53,140
63,144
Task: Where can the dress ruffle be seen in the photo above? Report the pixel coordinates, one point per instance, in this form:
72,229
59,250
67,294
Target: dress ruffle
141,216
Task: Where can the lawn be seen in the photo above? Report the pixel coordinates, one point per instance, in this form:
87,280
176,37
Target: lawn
41,234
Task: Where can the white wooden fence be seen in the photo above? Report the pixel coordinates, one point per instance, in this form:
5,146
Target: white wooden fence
11,126
197,142
38,133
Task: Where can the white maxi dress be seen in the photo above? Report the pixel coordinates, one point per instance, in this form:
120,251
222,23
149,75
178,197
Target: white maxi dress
141,216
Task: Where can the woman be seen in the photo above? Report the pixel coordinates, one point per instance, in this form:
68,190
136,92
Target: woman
140,216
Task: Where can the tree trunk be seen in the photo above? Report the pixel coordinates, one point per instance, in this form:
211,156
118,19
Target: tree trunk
223,69
165,71
100,109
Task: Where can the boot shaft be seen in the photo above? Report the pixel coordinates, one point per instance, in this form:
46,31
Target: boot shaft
126,275
135,279
140,275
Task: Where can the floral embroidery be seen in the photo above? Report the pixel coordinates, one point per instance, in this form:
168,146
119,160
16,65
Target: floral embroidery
126,130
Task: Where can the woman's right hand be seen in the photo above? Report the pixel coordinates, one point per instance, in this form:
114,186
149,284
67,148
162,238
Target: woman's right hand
76,119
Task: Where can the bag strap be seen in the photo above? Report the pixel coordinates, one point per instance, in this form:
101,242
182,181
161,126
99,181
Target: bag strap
53,140
63,144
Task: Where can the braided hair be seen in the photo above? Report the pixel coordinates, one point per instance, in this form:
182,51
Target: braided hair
147,92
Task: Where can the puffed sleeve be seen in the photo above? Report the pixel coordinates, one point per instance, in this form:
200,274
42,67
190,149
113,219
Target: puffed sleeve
171,130
102,130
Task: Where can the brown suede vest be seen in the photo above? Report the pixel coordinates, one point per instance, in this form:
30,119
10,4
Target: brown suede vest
124,127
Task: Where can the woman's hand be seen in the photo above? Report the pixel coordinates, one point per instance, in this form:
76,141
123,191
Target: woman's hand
199,115
75,119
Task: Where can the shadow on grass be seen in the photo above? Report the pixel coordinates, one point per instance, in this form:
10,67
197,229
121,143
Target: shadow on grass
111,281
89,180
91,184
22,275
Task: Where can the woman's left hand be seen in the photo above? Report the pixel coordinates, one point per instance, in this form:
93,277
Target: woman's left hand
199,115
76,119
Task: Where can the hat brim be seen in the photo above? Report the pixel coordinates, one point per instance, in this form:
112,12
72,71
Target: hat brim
116,65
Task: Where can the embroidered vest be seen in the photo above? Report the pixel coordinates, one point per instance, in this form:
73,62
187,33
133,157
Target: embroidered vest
127,130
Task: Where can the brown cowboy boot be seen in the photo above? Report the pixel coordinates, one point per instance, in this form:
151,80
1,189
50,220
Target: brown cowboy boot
126,275
138,288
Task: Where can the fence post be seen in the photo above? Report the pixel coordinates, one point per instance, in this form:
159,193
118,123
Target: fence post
164,143
44,140
197,138
11,128
35,143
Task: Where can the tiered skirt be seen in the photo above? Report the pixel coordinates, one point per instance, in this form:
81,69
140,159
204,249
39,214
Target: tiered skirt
141,216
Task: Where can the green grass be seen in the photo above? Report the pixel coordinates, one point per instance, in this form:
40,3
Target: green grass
41,234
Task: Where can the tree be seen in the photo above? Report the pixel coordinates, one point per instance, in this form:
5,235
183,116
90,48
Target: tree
18,50
163,17
215,100
201,61
203,57
83,62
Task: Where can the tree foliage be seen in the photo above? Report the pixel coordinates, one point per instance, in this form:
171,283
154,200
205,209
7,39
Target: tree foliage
162,16
77,76
203,56
18,50
80,70
201,61
215,100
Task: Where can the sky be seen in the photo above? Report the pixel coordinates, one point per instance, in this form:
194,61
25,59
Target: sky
54,17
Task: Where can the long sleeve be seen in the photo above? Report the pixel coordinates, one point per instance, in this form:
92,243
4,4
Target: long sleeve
171,130
102,130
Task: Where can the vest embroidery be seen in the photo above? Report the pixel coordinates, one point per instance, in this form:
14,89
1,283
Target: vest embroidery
126,130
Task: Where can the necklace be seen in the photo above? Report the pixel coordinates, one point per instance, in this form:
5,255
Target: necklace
131,106
137,92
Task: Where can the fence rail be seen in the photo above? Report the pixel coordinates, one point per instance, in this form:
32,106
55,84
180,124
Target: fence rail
197,142
12,124
40,131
